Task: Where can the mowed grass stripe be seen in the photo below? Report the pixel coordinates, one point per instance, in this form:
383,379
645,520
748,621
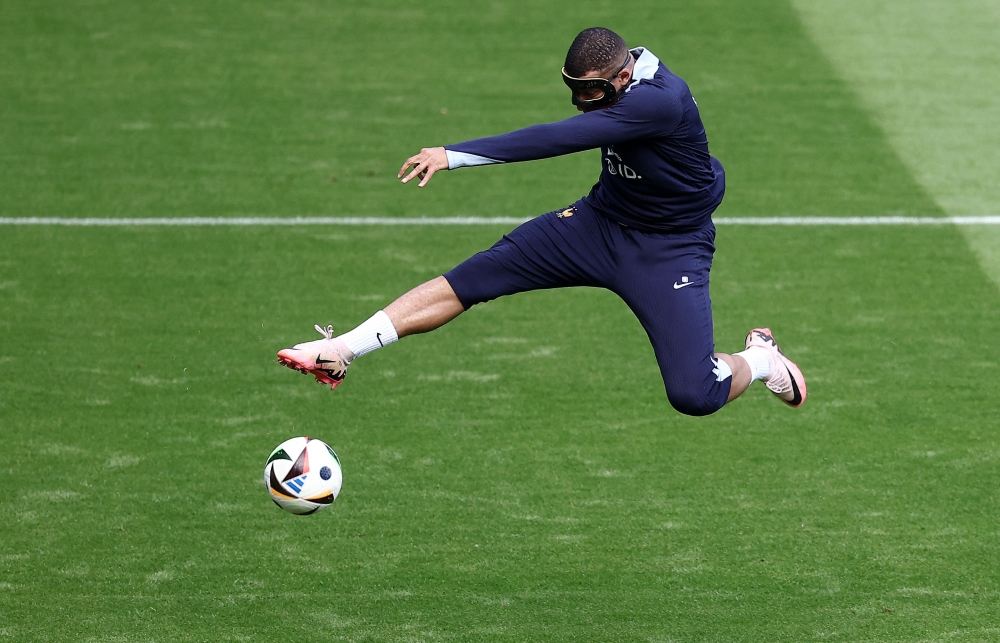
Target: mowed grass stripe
925,69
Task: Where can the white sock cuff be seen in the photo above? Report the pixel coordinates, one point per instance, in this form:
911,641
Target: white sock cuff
371,335
756,359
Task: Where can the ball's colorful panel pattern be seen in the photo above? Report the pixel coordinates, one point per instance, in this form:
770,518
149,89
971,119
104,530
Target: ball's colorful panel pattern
279,454
277,489
309,482
301,465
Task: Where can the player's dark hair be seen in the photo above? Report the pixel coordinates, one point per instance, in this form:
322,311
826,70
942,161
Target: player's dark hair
595,49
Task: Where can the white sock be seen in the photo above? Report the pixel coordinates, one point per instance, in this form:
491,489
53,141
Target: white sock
373,334
757,359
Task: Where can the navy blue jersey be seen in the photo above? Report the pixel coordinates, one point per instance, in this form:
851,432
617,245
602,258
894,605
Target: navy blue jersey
657,173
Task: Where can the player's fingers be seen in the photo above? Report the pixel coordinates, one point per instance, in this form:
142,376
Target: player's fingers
410,161
417,170
409,167
428,173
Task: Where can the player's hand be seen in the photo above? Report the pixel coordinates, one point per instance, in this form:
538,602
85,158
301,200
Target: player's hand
425,163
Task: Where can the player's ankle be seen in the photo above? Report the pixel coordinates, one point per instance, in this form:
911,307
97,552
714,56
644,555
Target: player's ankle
760,362
374,333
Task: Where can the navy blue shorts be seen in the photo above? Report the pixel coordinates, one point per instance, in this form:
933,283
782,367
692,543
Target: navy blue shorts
663,278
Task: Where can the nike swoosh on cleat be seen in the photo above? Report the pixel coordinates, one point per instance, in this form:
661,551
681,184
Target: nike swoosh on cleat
337,375
796,395
768,338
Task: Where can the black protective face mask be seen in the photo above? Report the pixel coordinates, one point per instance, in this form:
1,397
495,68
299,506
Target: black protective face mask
603,87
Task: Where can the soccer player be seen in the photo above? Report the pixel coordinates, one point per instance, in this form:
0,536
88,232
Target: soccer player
644,232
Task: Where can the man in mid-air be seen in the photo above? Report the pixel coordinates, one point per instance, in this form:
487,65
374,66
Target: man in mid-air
644,232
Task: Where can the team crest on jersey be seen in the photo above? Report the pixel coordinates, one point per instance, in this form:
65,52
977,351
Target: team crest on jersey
567,213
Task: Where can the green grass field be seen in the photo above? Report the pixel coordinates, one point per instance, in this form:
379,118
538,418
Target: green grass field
517,475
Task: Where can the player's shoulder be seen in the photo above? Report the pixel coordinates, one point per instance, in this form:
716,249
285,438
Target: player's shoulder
653,84
651,78
655,94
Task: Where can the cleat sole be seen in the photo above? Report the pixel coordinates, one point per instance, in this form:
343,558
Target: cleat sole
321,377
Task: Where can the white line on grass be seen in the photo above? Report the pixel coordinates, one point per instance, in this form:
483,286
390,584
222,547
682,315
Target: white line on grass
856,221
259,221
466,221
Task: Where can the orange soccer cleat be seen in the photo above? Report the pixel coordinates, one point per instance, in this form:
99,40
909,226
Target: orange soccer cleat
327,359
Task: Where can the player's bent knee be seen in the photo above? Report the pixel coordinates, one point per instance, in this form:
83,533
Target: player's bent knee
695,403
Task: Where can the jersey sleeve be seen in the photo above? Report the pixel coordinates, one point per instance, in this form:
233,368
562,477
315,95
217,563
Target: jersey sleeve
638,114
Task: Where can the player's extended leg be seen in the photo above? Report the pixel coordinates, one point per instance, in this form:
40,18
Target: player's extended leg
551,251
428,306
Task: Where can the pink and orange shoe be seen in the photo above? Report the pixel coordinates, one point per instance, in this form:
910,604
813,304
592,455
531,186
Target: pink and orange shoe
786,380
325,358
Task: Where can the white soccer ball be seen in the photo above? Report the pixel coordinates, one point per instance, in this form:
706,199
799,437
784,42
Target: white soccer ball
303,475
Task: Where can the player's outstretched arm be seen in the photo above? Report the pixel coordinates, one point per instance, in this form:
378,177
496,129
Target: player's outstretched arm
425,163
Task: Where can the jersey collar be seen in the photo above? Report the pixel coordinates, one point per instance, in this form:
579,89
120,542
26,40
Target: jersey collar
645,68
